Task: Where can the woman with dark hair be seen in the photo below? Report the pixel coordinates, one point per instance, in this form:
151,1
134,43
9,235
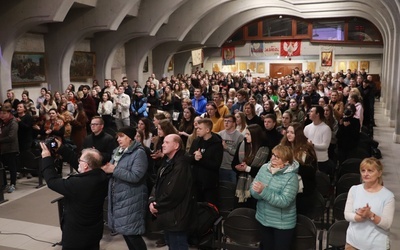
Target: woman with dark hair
322,101
40,99
67,117
167,100
186,125
355,99
331,121
71,87
304,154
348,133
253,100
152,102
251,116
30,106
193,135
250,155
272,95
213,114
57,98
297,113
54,126
241,123
164,128
306,106
78,132
270,108
47,104
177,97
286,120
105,109
144,125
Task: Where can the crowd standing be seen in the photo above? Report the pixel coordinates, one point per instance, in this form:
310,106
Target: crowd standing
223,127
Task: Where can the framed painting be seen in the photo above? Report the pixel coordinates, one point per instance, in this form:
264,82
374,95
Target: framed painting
312,66
171,64
364,65
261,67
146,65
27,68
342,66
83,66
252,67
353,65
326,58
242,66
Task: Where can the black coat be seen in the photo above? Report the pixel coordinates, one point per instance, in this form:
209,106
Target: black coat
174,194
206,170
84,194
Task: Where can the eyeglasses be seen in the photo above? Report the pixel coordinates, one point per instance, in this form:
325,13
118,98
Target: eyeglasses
95,124
274,155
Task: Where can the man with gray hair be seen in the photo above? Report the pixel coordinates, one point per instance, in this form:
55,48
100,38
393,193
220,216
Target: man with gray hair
84,194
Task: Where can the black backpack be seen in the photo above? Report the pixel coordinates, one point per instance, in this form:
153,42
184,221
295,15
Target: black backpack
207,214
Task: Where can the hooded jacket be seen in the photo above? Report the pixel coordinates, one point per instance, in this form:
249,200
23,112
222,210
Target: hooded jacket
199,105
206,170
276,206
127,193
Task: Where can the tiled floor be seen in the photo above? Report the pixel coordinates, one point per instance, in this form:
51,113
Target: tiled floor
51,234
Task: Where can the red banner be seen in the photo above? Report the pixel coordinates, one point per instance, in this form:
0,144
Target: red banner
290,47
228,56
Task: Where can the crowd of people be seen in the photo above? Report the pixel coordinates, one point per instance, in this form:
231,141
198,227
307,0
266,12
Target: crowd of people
265,135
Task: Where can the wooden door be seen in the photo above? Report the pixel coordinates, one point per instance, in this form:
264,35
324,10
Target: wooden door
283,69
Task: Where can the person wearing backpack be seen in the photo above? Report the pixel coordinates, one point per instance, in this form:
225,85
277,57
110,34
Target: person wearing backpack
172,202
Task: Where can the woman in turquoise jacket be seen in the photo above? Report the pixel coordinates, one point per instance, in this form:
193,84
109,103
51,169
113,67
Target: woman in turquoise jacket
275,187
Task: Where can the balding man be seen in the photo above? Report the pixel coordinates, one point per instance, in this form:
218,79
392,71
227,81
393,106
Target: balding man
84,194
172,201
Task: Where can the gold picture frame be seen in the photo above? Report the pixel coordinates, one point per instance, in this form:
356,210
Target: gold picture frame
364,65
83,66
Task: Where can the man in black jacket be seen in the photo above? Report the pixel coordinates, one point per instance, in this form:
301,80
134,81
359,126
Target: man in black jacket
84,194
172,201
98,139
206,153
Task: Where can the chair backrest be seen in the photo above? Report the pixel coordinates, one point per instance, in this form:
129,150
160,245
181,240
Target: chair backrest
324,186
305,234
351,165
360,153
317,206
338,206
242,227
346,182
337,234
226,197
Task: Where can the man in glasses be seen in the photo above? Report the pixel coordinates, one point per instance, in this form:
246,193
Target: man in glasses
98,139
230,141
84,194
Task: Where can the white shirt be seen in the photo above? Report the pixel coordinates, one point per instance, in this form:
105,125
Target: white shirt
320,135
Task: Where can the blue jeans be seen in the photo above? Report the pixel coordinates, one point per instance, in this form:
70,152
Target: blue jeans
176,240
227,175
